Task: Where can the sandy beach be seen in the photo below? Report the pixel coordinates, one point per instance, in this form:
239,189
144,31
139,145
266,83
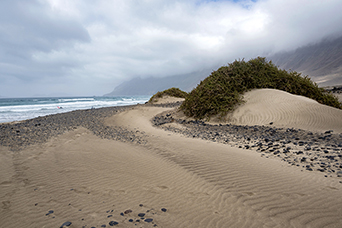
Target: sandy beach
275,162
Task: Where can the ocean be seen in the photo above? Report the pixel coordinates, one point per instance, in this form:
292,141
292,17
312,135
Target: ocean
16,109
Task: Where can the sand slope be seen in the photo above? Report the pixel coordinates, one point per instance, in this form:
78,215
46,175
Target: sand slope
89,181
249,191
286,110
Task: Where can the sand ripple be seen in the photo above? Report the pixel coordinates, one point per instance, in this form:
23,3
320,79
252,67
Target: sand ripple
286,110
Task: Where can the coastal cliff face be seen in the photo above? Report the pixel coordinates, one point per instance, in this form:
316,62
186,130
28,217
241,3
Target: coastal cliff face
321,61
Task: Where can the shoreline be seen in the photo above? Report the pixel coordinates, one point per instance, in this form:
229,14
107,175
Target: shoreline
312,151
18,135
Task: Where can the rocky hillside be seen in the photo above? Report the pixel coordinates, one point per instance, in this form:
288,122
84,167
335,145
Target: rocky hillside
321,61
149,86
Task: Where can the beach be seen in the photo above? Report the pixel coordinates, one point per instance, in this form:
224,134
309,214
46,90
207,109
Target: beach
275,162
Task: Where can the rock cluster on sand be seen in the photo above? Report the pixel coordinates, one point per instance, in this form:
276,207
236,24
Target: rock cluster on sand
312,151
39,130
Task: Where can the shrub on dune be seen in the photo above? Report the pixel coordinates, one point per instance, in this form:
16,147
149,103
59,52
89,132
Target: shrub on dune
172,92
222,91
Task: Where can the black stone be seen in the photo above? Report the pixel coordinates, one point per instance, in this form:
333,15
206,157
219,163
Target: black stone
65,224
141,215
163,209
49,212
148,220
113,223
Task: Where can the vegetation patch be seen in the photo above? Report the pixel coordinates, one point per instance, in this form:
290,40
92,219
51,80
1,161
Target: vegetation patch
222,91
172,92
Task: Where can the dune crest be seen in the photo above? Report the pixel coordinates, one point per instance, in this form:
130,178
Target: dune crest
283,109
167,99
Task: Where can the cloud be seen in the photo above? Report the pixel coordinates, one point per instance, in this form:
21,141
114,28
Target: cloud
89,47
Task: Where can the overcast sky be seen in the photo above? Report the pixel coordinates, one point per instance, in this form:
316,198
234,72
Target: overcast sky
88,47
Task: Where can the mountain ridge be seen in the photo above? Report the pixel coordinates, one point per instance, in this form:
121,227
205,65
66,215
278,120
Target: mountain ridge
322,62
152,85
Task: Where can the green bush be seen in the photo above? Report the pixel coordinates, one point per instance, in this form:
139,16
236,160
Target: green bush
173,92
222,91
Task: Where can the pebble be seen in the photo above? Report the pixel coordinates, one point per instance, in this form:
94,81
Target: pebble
141,215
148,220
128,211
113,223
49,212
65,224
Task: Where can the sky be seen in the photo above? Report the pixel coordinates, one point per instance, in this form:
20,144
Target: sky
88,47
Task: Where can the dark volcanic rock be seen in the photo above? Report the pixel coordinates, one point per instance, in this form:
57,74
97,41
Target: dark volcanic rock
50,212
39,130
295,146
148,220
141,215
113,223
65,224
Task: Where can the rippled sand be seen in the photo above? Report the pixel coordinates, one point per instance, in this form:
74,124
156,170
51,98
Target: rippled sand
91,181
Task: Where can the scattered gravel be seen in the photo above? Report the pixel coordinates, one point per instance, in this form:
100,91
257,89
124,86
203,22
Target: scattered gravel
320,152
39,130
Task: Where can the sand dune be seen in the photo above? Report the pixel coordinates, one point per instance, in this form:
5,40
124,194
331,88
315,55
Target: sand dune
264,106
89,181
167,99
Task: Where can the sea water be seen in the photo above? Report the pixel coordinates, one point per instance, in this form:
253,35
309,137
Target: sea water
16,109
